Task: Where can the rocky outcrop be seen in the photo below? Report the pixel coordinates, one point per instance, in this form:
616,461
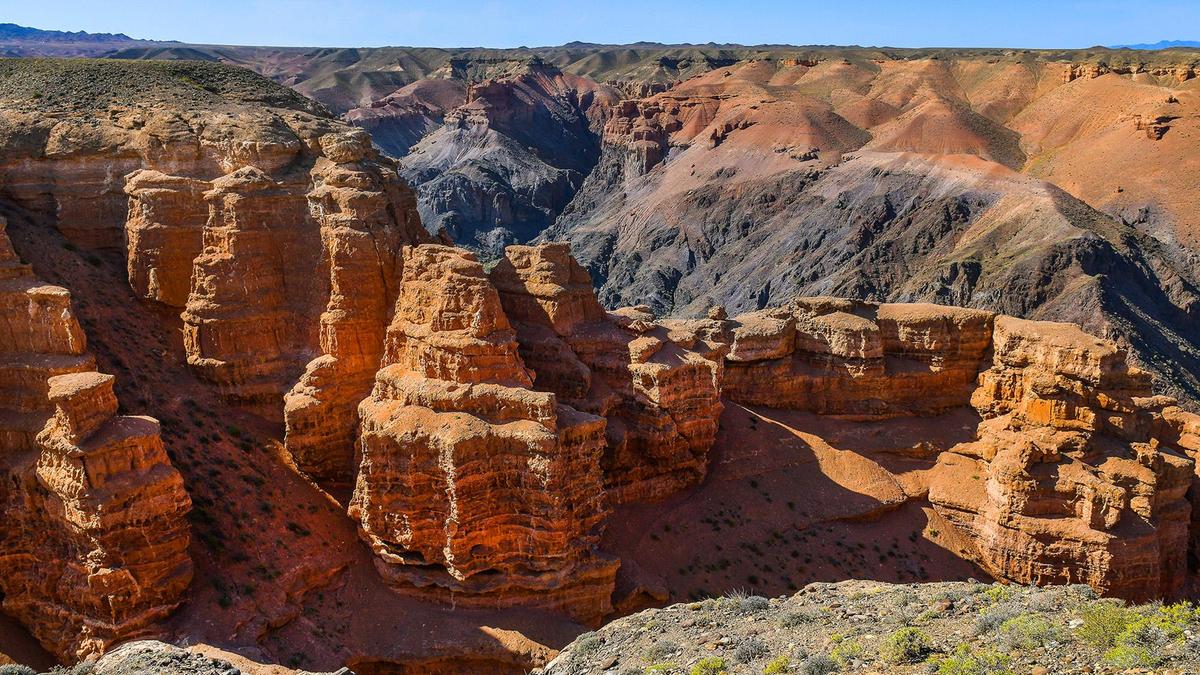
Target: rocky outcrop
250,316
660,396
856,359
95,534
365,217
164,234
471,485
1073,479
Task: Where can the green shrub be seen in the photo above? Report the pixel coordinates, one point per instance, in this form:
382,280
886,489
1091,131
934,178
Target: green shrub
1103,622
1155,631
998,593
846,651
964,661
1130,657
662,669
1028,631
779,664
17,669
907,645
711,665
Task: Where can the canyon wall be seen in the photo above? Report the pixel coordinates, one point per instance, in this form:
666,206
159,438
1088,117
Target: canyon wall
1077,472
95,536
470,485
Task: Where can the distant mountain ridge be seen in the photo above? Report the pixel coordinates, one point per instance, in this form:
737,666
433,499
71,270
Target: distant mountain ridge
1161,44
12,31
23,41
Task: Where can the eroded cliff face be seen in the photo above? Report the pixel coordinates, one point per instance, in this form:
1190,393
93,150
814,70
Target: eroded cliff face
1076,473
1077,476
660,395
95,534
471,485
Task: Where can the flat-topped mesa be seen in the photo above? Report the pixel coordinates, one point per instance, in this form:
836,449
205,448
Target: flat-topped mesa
856,359
661,397
471,486
1078,475
366,215
94,544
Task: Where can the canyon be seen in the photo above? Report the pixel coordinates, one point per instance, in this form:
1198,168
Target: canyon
257,401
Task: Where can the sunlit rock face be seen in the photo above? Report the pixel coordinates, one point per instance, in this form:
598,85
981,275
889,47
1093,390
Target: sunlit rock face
95,534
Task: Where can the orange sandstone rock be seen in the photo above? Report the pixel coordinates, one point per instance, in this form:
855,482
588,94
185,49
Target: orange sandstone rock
163,234
471,485
661,398
93,549
366,215
850,358
1071,479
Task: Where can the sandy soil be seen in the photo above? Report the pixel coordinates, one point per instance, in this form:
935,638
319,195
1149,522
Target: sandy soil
793,498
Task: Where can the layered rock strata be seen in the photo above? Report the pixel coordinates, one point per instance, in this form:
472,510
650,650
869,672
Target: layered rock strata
95,535
471,485
1077,472
842,357
660,396
365,216
1076,476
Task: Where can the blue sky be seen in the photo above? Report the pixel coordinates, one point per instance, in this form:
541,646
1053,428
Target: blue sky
510,23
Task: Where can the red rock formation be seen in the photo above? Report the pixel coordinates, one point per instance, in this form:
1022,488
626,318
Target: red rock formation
471,485
365,215
250,312
661,398
94,544
163,234
841,357
1071,479
39,338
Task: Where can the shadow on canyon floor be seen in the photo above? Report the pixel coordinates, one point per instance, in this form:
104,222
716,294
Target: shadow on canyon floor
792,498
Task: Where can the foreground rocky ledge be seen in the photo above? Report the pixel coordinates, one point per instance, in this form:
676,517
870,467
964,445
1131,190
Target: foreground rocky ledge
863,626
